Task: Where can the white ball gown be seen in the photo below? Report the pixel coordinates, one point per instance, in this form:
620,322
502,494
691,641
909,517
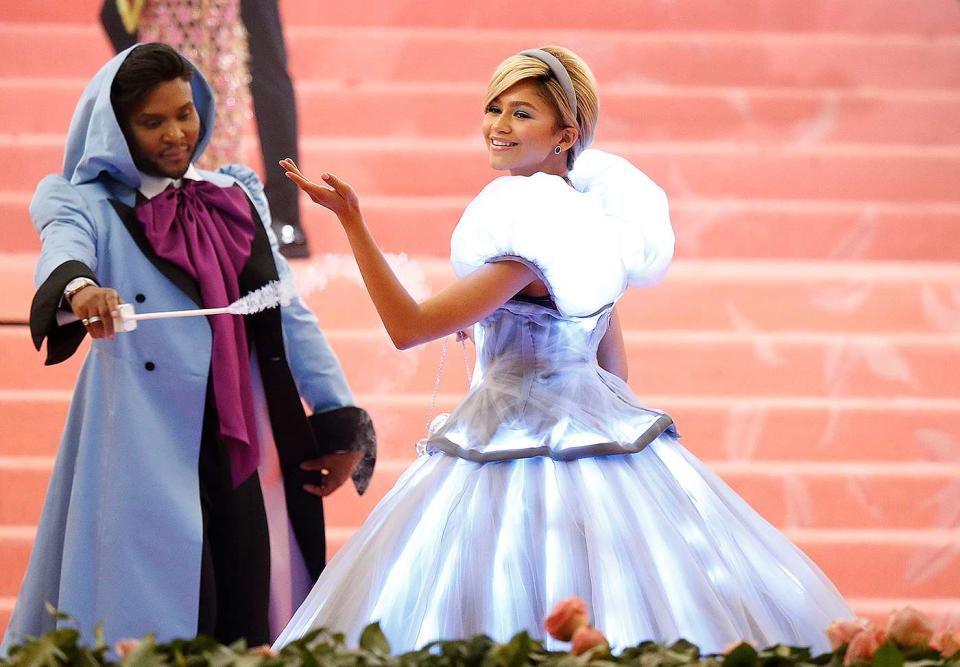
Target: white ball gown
550,480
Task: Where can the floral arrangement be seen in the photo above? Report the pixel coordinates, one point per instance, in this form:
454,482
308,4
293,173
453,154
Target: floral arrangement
909,636
908,640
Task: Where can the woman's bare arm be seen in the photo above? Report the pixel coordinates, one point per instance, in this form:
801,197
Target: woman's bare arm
457,306
612,353
409,323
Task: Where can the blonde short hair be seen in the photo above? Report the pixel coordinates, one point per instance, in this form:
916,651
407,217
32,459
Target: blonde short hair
518,68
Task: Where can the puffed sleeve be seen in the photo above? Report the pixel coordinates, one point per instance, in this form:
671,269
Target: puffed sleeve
640,205
562,234
587,242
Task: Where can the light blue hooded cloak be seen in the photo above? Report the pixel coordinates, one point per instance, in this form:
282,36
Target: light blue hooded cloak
119,540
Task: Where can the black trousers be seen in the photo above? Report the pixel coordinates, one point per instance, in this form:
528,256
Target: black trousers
271,88
235,566
273,104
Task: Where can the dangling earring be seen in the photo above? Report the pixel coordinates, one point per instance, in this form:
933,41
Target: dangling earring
557,150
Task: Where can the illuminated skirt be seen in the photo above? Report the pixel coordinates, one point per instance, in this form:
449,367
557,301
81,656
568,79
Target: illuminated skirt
657,545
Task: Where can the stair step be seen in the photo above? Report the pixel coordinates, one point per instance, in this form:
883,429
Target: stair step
726,364
683,57
15,544
662,362
847,298
630,113
782,15
408,167
684,170
654,113
710,229
750,297
863,16
706,59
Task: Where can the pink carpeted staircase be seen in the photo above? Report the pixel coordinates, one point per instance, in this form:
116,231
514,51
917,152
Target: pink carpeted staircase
807,338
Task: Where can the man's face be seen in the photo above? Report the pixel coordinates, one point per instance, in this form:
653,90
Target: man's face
164,130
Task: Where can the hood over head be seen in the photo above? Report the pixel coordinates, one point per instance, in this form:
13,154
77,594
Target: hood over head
95,142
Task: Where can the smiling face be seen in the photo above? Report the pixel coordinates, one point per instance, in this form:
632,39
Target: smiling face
164,130
522,131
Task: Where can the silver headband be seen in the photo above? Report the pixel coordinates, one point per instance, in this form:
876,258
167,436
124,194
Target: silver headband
560,73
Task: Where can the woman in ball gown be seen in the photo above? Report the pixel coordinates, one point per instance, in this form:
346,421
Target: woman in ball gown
550,480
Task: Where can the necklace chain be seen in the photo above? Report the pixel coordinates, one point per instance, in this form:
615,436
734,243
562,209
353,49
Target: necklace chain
461,338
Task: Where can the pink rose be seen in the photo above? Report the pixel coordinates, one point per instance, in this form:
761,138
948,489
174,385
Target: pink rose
729,648
908,627
841,631
264,650
125,647
948,643
863,646
586,638
567,616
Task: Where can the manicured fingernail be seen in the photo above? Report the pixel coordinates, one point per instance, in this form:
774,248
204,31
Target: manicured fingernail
325,177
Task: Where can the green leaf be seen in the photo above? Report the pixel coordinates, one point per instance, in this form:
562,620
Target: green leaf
42,652
571,661
888,655
222,656
743,655
515,653
834,659
373,640
919,654
59,615
100,642
249,661
686,648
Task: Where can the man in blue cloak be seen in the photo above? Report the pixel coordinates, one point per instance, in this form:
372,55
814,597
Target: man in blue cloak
187,492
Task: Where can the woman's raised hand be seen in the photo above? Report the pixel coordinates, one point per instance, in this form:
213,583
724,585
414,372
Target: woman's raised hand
333,193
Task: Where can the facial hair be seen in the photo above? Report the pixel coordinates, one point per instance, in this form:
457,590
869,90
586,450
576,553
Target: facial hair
151,168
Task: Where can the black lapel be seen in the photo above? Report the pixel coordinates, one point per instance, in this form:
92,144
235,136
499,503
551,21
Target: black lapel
174,273
292,432
260,268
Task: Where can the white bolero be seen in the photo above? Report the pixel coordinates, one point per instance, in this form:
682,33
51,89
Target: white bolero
588,243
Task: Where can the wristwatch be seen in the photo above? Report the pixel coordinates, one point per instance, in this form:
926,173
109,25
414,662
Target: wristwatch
75,286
